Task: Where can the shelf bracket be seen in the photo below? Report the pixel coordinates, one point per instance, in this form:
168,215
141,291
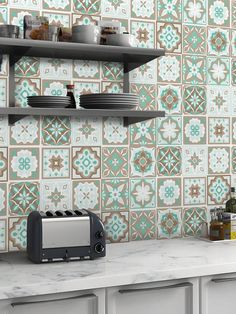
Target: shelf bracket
132,120
12,119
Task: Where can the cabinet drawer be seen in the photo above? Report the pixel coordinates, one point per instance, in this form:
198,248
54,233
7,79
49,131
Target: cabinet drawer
160,298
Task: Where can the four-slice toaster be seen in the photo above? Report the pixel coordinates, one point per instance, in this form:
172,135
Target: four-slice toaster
64,235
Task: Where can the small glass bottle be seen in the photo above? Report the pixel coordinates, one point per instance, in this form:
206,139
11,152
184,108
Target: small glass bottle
231,203
216,227
70,93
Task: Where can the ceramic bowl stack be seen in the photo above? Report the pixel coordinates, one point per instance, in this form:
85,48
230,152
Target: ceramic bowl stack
49,101
109,101
86,34
9,31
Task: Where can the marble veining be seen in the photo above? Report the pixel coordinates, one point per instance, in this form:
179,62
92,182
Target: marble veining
127,263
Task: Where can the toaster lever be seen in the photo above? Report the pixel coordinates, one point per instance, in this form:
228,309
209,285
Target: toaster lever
67,258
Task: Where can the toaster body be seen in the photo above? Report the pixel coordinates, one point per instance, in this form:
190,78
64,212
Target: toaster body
69,235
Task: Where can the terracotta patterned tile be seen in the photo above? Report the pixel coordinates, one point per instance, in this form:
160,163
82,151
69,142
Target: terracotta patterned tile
169,223
116,226
143,225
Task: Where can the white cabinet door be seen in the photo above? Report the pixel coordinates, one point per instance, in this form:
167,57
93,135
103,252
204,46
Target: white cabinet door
218,294
74,303
172,297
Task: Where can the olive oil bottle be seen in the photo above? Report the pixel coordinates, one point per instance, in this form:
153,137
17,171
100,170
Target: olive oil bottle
231,203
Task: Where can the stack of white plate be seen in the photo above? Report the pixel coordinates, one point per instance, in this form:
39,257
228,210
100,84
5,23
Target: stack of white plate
49,101
109,101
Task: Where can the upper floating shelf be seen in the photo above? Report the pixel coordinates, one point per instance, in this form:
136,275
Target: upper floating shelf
131,57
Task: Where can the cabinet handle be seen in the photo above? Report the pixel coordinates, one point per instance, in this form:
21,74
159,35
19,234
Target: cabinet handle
219,280
85,296
178,285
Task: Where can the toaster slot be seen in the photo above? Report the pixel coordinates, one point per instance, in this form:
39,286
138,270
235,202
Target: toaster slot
59,213
49,213
69,213
78,212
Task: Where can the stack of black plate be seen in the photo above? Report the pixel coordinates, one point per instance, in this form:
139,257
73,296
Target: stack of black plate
49,101
109,101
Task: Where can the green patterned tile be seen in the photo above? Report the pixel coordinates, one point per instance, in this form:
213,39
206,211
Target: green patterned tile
143,133
56,131
143,225
169,10
116,226
143,193
115,162
3,200
218,71
169,37
142,161
169,131
194,130
194,11
144,33
3,235
218,189
219,130
169,69
169,192
194,100
87,7
60,5
169,223
219,12
194,70
233,159
27,67
194,39
115,195
169,161
86,195
147,95
218,41
17,234
145,10
169,98
192,220
112,71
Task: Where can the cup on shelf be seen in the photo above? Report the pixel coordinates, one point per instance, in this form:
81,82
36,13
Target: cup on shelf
125,40
86,34
53,33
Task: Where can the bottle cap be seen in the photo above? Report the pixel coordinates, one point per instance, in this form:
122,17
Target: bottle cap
233,189
70,86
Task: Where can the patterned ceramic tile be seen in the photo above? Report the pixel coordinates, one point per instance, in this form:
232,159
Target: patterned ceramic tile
3,199
145,73
17,17
218,130
233,12
86,195
142,161
17,233
143,10
169,10
24,163
218,41
115,195
143,133
116,226
112,71
86,132
112,87
23,198
194,130
55,163
30,4
169,37
143,225
218,189
194,100
169,161
87,6
56,131
218,100
194,70
61,5
27,67
192,220
3,164
234,159
54,69
218,71
169,192
195,160
169,69
3,92
219,12
58,19
169,131
233,71
85,69
219,160
4,131
194,191
115,8
86,162
3,15
194,39
233,42
144,33
115,162
169,98
54,88
147,95
142,193
25,132
169,223
3,234
234,130
194,11
4,66
114,132
85,19
55,195
26,87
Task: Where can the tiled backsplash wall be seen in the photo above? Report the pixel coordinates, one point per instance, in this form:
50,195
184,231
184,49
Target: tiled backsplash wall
154,180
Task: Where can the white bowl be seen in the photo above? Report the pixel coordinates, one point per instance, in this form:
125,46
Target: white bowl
126,40
86,34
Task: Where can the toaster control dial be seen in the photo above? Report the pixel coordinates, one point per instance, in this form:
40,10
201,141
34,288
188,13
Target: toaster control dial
99,234
99,248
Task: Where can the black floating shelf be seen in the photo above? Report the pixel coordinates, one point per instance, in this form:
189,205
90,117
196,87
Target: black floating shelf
131,57
130,116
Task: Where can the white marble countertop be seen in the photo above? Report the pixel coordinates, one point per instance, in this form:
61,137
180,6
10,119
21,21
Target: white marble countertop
128,263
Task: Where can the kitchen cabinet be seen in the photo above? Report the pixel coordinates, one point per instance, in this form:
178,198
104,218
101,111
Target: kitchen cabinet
180,296
89,302
217,294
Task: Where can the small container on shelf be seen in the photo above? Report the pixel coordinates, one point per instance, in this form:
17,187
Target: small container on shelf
216,226
70,93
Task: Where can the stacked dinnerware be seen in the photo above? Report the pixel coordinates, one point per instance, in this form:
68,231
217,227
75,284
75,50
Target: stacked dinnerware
49,101
109,101
9,31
